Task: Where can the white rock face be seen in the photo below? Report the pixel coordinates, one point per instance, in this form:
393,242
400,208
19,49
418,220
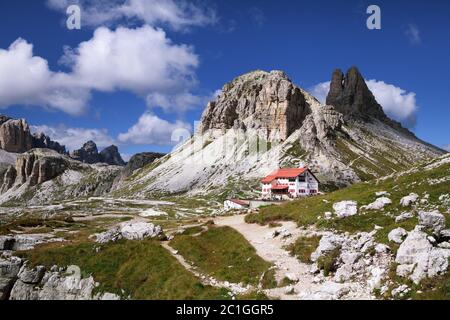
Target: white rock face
345,209
130,231
409,200
418,259
378,204
432,220
397,235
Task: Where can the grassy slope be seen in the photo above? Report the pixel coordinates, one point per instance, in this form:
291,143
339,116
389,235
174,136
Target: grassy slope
306,211
142,269
224,254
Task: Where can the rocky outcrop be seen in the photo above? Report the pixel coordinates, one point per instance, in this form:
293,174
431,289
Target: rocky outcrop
89,154
378,204
258,100
130,231
42,141
111,156
397,235
434,221
344,209
15,135
20,282
355,257
8,176
408,200
417,258
39,165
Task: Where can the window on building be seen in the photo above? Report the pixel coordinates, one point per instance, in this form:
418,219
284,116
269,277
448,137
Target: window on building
302,178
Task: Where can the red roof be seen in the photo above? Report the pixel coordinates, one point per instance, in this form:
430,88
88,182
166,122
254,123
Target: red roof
284,173
240,202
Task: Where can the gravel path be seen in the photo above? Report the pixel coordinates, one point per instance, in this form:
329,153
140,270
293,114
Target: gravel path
272,250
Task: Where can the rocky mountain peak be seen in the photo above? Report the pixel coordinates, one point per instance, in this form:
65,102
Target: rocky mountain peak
259,100
350,95
89,154
111,155
15,135
41,140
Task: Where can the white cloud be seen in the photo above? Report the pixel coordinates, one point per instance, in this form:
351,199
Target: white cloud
145,62
142,60
152,130
74,138
320,91
178,14
397,103
26,79
413,34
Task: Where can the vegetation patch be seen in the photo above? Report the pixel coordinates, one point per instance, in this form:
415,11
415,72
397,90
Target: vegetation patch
224,254
132,269
303,247
328,262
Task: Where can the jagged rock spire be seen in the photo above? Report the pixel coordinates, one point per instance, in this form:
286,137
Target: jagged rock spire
350,95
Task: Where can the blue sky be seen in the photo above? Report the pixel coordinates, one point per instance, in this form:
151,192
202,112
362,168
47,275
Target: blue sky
169,57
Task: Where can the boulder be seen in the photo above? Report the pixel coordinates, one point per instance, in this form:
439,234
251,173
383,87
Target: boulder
378,204
327,243
130,231
397,235
409,200
345,209
433,221
417,256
